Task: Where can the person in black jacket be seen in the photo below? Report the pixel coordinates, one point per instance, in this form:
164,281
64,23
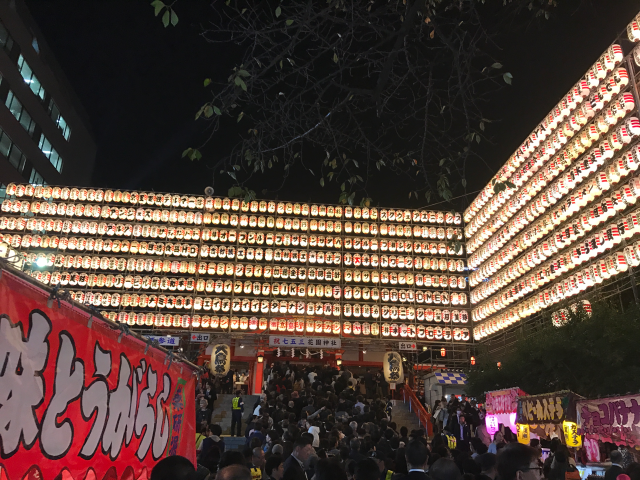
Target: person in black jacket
417,457
518,462
616,466
294,466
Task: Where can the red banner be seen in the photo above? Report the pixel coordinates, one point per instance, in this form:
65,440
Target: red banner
80,399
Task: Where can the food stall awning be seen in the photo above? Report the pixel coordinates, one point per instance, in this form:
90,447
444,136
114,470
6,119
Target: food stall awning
447,378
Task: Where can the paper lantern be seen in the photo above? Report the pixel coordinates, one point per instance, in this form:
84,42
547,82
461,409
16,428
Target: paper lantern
220,360
393,369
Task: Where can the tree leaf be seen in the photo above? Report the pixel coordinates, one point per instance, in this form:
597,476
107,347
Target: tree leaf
278,12
240,82
464,182
157,5
166,18
482,126
174,18
497,66
507,77
289,22
233,175
207,82
244,73
322,182
509,184
208,111
217,111
186,152
335,58
240,117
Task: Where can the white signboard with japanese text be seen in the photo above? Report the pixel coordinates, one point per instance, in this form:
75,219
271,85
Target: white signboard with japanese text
305,342
165,341
408,346
200,337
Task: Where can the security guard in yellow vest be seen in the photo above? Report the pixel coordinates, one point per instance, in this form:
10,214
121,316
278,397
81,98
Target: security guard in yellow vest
237,408
257,463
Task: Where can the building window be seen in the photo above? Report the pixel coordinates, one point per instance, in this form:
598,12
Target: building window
59,121
36,178
3,191
30,78
13,153
21,114
6,41
50,153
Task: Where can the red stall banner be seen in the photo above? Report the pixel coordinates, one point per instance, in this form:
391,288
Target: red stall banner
613,419
81,399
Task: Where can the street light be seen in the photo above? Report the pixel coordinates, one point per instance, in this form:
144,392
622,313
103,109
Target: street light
473,360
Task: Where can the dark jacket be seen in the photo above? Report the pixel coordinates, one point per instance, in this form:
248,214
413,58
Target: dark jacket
293,470
613,472
416,476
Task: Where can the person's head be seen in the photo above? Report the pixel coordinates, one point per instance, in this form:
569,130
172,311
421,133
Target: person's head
379,458
444,469
275,467
231,457
477,446
277,449
302,448
633,471
487,462
498,437
518,462
355,444
257,457
203,403
367,470
214,429
416,454
404,431
616,457
234,472
174,467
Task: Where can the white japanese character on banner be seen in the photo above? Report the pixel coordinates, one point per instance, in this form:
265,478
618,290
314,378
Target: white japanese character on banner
146,415
23,361
95,399
56,437
161,434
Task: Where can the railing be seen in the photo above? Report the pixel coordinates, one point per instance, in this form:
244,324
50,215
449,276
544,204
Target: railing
424,417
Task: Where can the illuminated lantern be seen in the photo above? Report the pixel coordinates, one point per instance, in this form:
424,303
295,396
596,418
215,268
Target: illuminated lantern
443,352
430,333
394,330
244,323
346,328
327,326
393,369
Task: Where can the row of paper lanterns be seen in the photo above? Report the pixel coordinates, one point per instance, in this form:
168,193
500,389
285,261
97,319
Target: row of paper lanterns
569,195
98,245
357,228
297,325
594,77
600,270
590,247
561,317
620,167
224,304
585,201
602,151
559,142
594,274
227,204
219,285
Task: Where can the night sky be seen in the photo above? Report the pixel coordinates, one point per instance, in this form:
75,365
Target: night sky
141,85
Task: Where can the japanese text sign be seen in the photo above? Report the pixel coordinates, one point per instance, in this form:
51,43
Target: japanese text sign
165,340
502,401
306,342
200,337
79,400
571,436
524,436
220,359
393,370
408,346
615,419
549,408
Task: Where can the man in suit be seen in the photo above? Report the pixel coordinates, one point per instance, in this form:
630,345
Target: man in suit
462,432
616,466
417,457
295,465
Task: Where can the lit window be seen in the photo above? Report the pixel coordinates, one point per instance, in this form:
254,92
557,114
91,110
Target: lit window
30,78
6,41
18,111
36,178
50,153
60,122
13,153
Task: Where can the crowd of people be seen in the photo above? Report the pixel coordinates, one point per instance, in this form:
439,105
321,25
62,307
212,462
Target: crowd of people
324,424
